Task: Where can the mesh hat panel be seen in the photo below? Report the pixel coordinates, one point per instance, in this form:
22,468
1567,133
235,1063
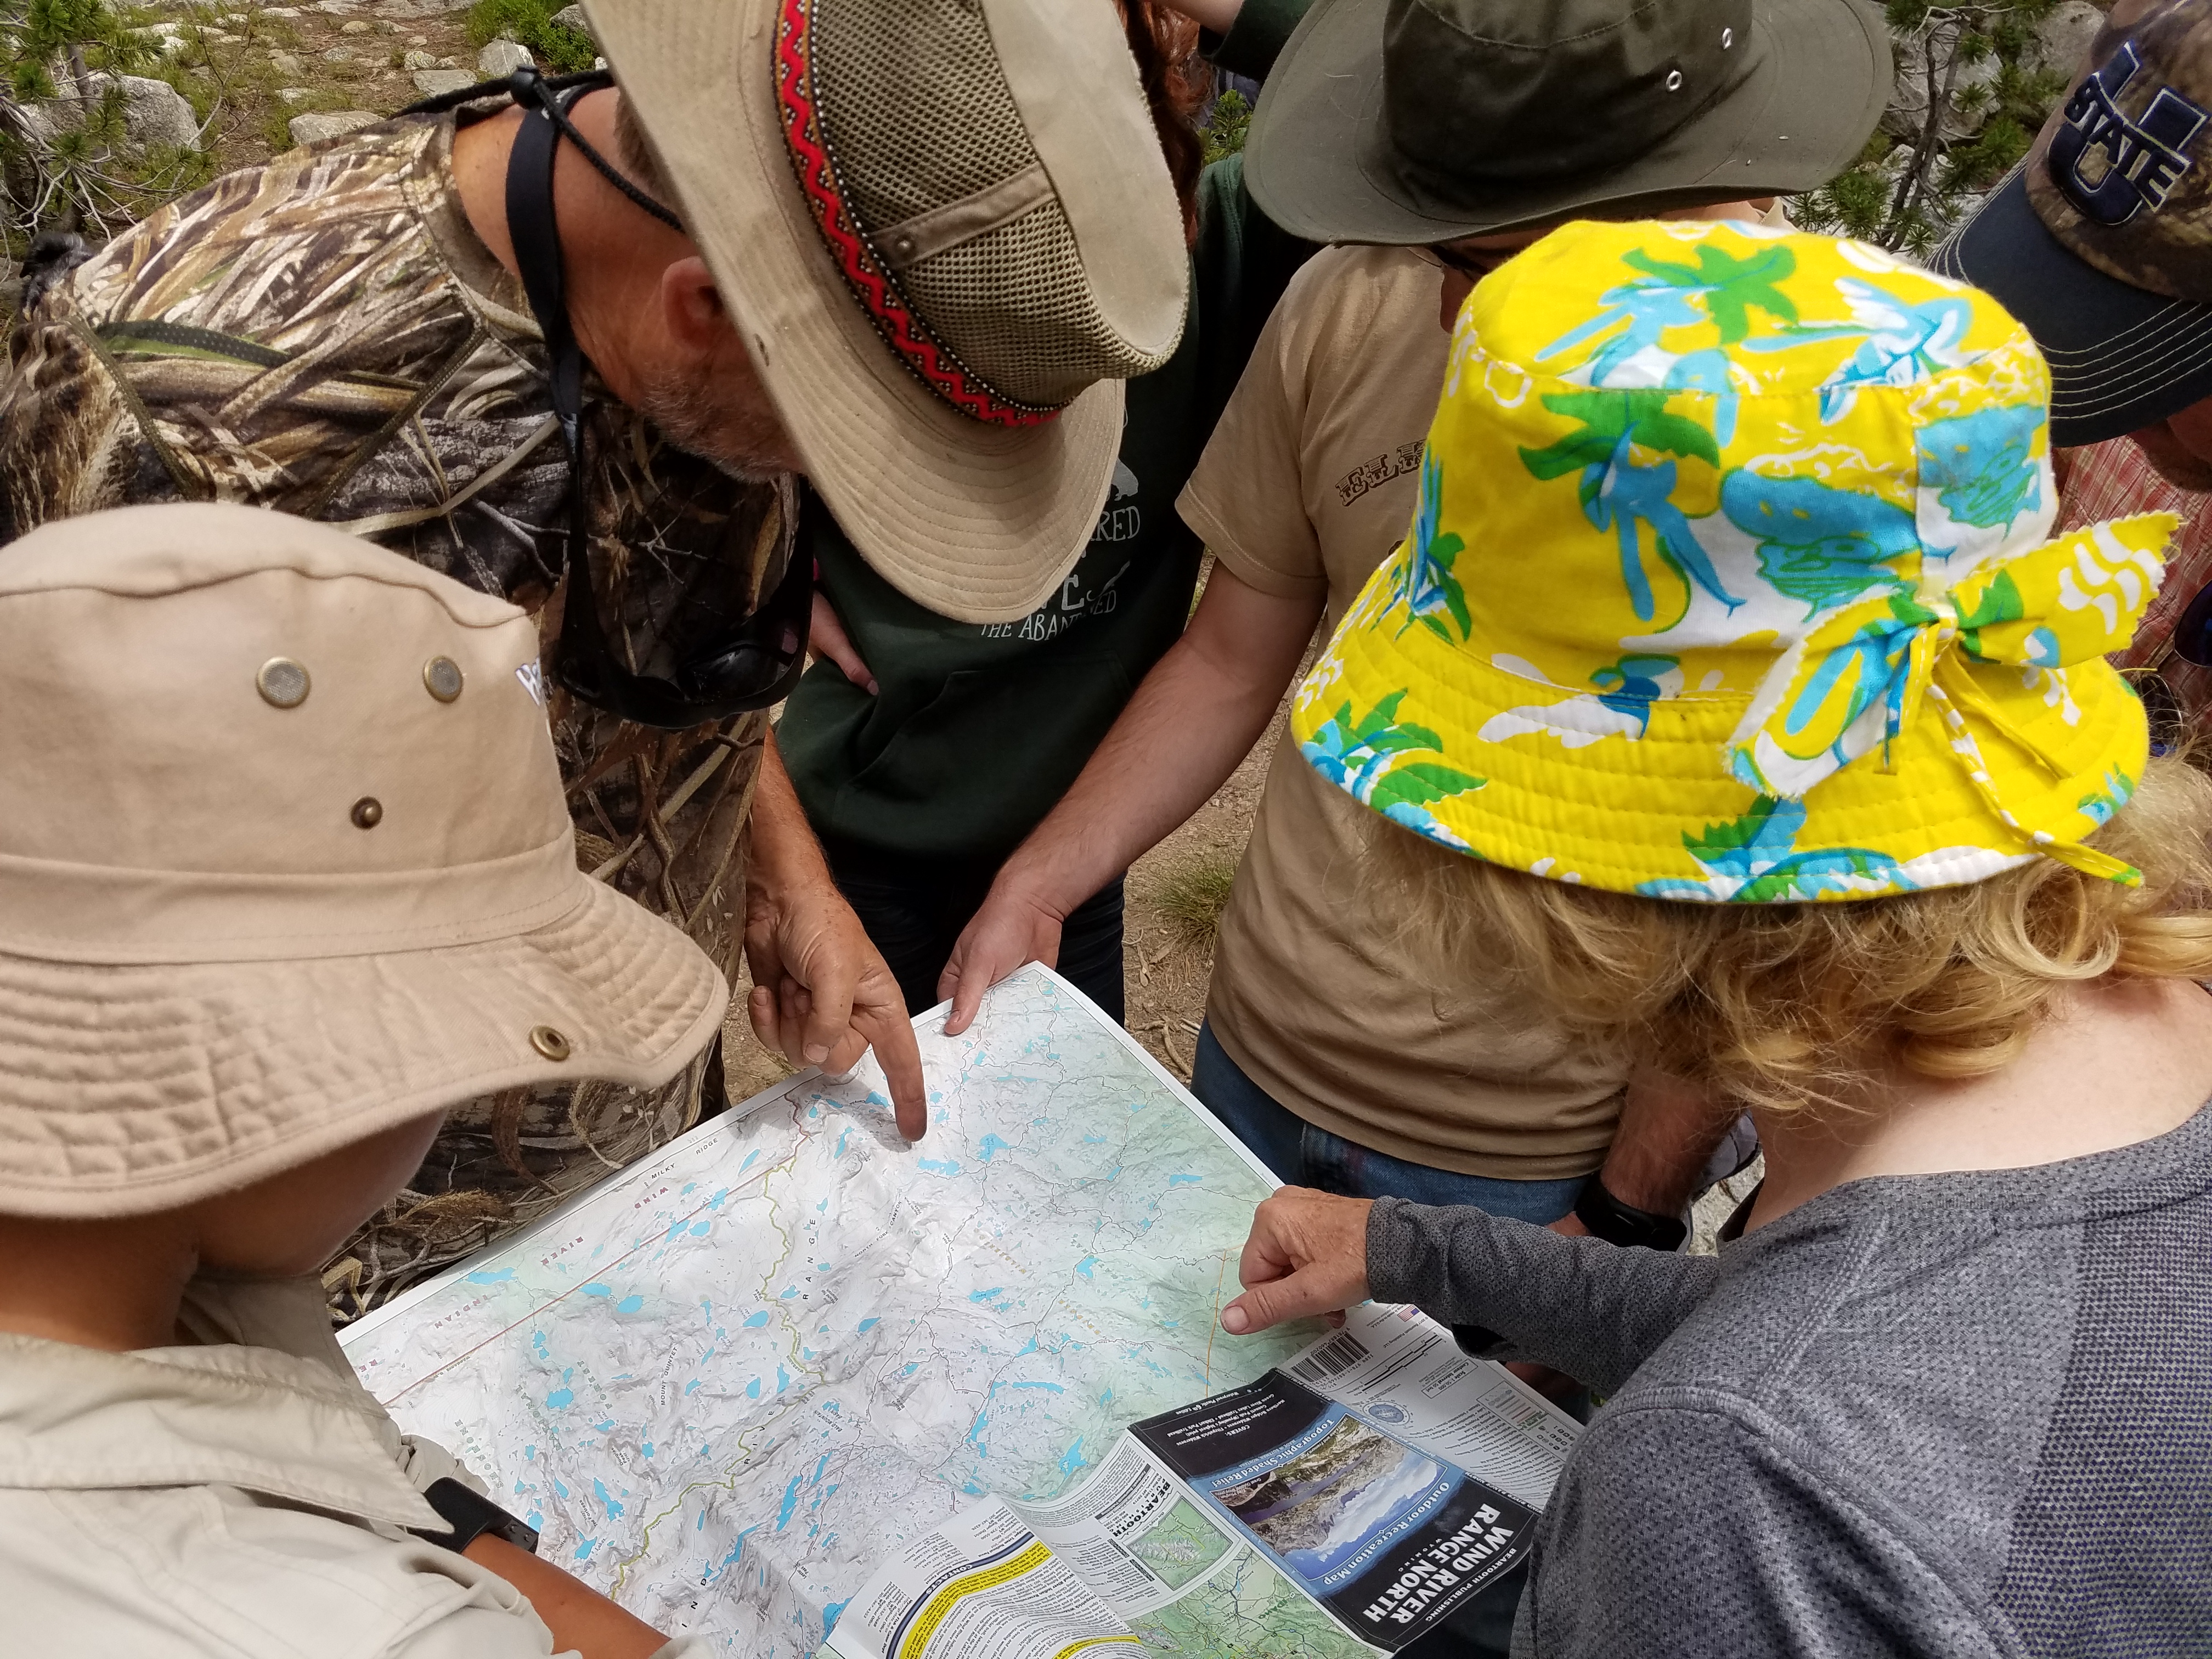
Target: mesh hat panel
1015,306
918,114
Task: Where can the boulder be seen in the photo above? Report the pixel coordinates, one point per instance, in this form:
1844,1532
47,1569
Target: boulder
1908,99
417,60
502,58
2063,39
287,64
436,82
572,17
155,113
313,129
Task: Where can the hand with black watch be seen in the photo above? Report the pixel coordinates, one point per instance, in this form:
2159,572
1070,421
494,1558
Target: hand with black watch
1618,1223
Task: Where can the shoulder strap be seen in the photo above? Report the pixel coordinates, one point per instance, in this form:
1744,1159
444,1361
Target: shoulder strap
531,223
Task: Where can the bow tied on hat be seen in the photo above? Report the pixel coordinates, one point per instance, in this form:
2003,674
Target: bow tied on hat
1869,669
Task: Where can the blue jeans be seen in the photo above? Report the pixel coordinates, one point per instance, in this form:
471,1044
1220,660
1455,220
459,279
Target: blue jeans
1304,1156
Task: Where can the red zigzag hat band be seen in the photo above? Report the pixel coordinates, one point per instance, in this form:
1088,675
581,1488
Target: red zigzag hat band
904,330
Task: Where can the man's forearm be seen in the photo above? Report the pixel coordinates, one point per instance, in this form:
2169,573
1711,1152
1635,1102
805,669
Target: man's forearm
1666,1135
1195,718
784,848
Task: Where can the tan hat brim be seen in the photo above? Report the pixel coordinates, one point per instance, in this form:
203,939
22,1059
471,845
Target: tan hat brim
129,1089
976,522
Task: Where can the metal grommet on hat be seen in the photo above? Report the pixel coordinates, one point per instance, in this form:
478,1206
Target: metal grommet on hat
1728,38
1674,80
367,812
443,679
549,1043
283,682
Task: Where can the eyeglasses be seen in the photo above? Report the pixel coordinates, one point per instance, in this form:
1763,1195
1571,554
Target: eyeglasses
757,661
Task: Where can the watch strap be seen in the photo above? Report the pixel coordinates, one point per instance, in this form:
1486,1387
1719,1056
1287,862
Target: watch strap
469,1515
1616,1222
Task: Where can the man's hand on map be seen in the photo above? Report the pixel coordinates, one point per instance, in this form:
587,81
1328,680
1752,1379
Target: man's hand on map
1009,930
1307,1255
823,994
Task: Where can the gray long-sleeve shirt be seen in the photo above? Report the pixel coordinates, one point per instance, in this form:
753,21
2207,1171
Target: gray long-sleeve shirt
1957,1415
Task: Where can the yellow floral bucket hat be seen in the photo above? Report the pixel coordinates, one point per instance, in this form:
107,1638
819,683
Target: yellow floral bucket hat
1733,581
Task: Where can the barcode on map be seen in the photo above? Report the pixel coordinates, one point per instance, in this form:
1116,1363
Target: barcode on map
1344,1351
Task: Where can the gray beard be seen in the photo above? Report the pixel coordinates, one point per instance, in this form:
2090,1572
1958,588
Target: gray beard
742,443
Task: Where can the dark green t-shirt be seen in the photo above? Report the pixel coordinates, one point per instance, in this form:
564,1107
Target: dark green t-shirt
978,729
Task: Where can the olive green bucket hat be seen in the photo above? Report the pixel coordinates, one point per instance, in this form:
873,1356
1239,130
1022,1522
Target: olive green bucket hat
1419,121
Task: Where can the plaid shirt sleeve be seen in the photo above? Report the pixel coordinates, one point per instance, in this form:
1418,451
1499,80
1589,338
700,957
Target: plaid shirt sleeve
2111,480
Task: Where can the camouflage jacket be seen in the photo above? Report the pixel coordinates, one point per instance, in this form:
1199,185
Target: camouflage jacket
327,337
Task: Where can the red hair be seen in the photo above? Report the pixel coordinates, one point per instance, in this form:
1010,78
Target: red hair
1177,81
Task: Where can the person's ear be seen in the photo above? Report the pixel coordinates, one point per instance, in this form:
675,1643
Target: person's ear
692,308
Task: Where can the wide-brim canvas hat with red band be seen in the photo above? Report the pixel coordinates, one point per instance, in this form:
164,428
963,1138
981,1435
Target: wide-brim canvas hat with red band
284,862
947,232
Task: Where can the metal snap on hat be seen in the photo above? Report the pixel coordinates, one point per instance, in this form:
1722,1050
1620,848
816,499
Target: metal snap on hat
947,232
249,914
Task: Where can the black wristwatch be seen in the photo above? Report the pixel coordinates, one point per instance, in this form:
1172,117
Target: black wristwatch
1616,1222
472,1515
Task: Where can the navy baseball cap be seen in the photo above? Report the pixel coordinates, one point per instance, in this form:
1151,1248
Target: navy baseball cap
2101,242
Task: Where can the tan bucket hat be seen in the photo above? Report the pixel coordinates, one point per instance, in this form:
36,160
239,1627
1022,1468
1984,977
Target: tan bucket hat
947,232
284,860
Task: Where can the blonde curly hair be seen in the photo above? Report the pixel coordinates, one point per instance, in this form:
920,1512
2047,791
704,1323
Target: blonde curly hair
1796,1008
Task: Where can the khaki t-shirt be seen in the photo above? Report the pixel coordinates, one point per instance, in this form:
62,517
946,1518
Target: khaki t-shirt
1307,486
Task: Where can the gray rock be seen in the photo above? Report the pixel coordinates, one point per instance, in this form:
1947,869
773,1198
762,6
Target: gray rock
357,26
2062,39
1908,99
436,82
417,60
503,58
571,17
286,62
154,114
294,94
340,55
313,129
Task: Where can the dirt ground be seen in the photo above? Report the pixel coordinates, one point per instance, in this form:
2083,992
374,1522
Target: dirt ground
348,55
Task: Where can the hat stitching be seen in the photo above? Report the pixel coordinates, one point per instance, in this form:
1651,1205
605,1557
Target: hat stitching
1614,27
